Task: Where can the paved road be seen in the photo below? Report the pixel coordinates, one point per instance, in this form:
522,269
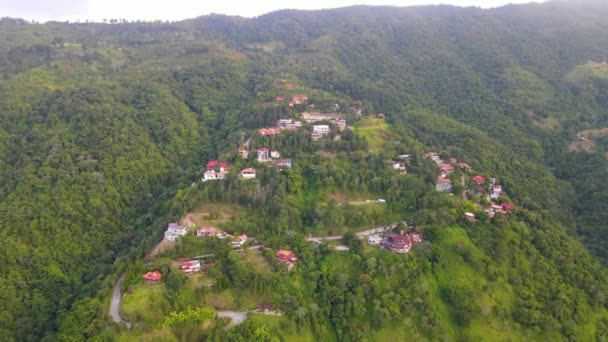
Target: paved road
115,305
360,235
464,192
236,317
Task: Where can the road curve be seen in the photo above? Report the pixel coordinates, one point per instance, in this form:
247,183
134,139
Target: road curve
236,317
115,304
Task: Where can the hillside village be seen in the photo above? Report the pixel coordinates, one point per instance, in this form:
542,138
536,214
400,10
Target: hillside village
256,153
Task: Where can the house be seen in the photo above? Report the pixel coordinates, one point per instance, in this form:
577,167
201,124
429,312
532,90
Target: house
399,166
283,164
206,231
405,156
299,99
223,235
508,207
224,167
341,123
464,165
269,132
152,277
320,131
275,154
289,124
469,217
397,243
444,184
174,231
244,154
213,175
248,173
212,164
415,237
445,168
434,156
478,179
190,266
380,116
495,191
280,98
374,239
288,258
239,240
453,160
263,154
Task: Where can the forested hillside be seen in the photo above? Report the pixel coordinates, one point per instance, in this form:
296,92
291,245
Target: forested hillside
104,130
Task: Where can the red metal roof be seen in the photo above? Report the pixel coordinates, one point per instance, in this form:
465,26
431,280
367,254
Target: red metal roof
153,276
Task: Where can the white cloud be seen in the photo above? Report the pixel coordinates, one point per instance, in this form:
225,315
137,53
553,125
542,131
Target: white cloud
182,9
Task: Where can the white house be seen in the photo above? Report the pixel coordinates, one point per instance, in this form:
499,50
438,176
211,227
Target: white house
239,240
283,164
191,266
263,154
320,131
374,239
444,184
248,173
174,231
275,154
495,191
399,166
212,175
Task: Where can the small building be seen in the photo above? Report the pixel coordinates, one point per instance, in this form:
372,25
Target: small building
405,156
213,175
174,231
191,266
280,98
269,132
283,164
320,131
341,123
289,124
206,231
445,168
152,277
399,166
212,164
374,239
469,217
299,99
239,240
223,235
380,116
275,154
244,154
478,179
341,248
507,207
248,173
495,191
288,258
263,154
444,184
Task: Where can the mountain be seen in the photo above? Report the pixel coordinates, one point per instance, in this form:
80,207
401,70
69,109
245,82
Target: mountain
104,130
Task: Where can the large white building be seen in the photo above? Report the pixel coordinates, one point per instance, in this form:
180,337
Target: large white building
320,131
174,231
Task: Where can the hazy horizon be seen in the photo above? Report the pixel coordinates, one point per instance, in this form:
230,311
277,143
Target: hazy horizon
98,10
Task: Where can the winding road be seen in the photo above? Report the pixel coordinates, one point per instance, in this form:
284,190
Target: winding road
115,304
360,235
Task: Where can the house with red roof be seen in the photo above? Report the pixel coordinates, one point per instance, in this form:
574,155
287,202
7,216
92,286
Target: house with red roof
445,168
152,277
280,98
269,132
239,240
477,179
288,258
507,207
212,164
248,173
283,164
299,99
190,266
397,243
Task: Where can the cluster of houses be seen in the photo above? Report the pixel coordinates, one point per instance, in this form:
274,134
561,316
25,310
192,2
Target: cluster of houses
443,183
267,309
398,243
175,230
288,258
265,155
322,131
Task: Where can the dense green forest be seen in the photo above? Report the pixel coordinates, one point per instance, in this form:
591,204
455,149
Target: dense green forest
104,130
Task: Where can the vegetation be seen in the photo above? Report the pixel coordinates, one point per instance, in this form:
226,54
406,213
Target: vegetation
104,129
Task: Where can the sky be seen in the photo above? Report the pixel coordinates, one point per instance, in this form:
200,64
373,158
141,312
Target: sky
97,10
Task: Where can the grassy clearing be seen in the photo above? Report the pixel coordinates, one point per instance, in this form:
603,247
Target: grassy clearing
144,303
375,131
254,260
213,214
